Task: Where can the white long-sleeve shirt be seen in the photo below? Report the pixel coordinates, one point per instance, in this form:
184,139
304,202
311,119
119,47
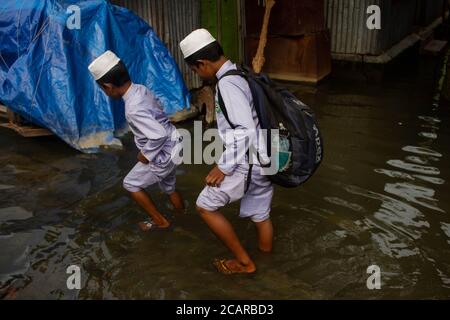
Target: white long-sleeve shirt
238,101
149,124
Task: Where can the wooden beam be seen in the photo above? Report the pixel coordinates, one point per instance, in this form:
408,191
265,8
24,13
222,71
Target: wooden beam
3,112
27,131
14,123
435,47
259,59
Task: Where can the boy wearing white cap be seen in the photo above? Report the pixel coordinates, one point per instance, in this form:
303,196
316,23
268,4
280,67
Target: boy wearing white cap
227,182
153,134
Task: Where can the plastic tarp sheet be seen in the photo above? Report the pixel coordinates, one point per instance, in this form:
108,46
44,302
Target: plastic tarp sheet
44,62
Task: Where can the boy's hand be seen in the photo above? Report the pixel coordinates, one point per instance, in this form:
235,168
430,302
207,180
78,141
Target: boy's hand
215,177
142,159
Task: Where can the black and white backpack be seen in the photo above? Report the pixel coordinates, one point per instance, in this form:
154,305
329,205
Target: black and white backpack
299,142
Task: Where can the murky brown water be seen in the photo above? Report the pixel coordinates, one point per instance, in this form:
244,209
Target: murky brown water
382,197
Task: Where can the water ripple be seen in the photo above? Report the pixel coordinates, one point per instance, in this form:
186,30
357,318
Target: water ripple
414,167
428,135
422,151
419,195
344,203
406,176
395,213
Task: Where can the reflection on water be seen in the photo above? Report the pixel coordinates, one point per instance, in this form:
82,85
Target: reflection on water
422,151
413,167
380,197
414,193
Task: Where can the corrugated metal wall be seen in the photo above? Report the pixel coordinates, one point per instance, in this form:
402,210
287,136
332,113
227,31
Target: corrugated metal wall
429,10
172,20
399,17
347,19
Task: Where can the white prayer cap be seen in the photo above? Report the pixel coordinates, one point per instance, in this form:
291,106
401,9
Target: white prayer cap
195,41
101,66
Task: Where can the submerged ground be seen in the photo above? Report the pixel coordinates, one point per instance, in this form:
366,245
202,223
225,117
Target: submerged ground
380,197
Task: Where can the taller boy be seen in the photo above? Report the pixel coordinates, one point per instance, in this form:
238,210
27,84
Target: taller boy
227,182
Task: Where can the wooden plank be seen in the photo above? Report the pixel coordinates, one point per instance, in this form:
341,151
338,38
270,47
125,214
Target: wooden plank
294,77
305,59
12,117
435,47
27,131
184,115
3,112
288,17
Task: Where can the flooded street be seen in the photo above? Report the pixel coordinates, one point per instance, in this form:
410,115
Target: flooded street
381,196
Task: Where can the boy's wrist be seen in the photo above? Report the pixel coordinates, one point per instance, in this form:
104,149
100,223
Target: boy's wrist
142,158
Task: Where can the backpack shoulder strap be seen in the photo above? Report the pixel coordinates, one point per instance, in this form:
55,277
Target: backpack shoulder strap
221,102
241,73
224,109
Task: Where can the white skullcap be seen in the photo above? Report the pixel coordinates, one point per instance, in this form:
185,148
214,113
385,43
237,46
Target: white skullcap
100,66
195,41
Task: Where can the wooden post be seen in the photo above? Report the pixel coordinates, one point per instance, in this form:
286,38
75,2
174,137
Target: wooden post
258,60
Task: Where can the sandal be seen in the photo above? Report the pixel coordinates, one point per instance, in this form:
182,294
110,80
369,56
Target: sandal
221,266
149,225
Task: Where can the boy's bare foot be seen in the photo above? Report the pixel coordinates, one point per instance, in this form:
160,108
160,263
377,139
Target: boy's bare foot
150,225
233,266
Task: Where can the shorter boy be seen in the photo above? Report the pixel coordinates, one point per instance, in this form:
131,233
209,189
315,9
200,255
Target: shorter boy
152,134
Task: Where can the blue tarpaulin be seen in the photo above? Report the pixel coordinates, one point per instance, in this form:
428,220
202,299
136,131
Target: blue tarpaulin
44,58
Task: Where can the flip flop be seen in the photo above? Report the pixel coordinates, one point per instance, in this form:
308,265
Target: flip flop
222,267
151,226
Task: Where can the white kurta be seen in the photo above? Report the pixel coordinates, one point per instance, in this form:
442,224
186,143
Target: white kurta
238,100
154,136
150,125
256,201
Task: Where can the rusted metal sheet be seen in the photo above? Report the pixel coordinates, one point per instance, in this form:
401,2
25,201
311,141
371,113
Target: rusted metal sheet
347,21
298,46
303,58
172,20
288,17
